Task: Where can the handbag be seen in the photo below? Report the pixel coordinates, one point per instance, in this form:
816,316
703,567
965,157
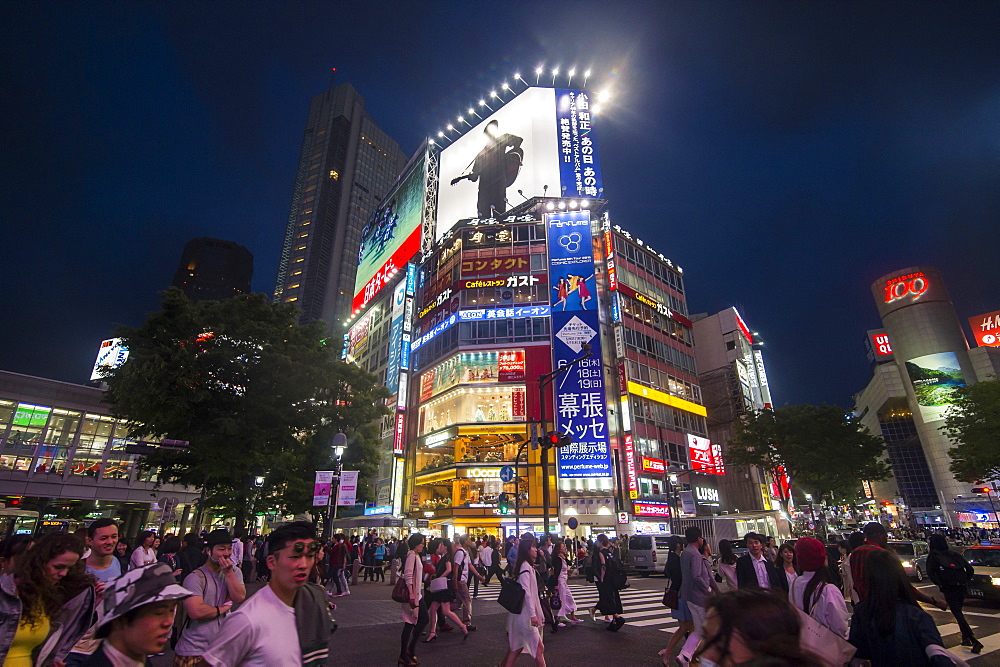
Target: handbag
511,595
555,603
822,642
670,598
401,591
439,584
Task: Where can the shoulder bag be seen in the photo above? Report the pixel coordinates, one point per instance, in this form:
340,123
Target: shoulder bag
670,598
401,591
511,595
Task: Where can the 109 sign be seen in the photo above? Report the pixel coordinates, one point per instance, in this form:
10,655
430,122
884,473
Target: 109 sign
913,285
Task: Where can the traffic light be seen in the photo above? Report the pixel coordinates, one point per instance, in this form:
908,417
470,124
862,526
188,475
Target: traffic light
503,503
982,489
557,439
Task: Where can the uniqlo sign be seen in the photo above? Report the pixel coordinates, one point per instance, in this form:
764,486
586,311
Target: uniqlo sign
880,343
986,329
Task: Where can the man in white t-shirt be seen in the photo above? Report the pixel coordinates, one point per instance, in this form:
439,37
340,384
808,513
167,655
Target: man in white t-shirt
463,566
267,630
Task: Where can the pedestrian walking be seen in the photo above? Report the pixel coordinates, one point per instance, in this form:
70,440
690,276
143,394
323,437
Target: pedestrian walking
167,553
672,570
340,556
889,628
696,583
785,563
415,616
524,629
463,572
727,564
755,570
215,587
378,560
137,612
609,601
121,554
287,622
560,570
951,573
475,554
751,626
441,591
486,558
191,556
815,592
876,539
144,553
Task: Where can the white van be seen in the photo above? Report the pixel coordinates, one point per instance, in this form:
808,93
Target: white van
648,553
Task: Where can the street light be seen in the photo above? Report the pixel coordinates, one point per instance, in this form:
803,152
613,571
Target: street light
339,445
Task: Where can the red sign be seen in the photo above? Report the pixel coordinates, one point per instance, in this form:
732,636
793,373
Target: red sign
517,403
609,251
398,441
382,277
986,329
510,366
493,265
743,327
651,509
912,285
426,385
654,465
880,343
633,481
705,457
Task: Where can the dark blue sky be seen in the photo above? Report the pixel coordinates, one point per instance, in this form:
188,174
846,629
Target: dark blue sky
785,154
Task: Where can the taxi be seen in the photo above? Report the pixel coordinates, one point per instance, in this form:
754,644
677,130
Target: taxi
985,583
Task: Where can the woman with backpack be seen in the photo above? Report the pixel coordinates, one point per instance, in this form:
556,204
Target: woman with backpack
606,575
951,573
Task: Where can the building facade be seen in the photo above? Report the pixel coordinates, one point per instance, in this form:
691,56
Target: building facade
212,269
63,455
920,355
346,166
734,383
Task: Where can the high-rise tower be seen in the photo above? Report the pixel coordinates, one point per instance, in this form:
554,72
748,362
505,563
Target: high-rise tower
346,166
214,269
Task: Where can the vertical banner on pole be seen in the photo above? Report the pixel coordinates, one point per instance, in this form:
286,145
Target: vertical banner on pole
321,488
347,493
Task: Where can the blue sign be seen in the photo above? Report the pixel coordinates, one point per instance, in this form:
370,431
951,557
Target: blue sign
579,169
476,314
580,405
395,340
383,509
441,328
507,474
411,279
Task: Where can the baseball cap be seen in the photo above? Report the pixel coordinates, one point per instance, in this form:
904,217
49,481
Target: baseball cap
136,588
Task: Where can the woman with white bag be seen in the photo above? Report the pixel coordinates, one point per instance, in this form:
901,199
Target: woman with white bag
441,591
813,592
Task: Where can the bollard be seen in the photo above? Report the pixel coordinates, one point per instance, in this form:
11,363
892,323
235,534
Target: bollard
354,574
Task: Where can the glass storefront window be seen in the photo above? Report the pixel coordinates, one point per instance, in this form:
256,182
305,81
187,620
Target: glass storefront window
119,464
26,427
94,436
58,439
488,366
469,405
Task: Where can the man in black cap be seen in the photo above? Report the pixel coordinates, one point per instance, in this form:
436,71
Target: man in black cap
136,615
215,587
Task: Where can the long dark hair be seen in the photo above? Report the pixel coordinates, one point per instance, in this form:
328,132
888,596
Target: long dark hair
524,552
887,586
726,555
39,595
779,562
767,624
820,578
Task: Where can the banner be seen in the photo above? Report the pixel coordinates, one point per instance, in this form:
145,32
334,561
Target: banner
348,493
580,406
395,338
321,488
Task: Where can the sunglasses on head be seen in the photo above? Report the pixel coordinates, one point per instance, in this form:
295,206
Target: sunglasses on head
298,548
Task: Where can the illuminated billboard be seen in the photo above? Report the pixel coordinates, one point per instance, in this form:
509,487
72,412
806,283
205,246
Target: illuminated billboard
705,457
111,355
935,378
986,329
391,237
473,367
539,143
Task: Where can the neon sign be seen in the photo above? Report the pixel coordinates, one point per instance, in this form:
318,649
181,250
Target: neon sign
914,284
653,465
880,343
633,482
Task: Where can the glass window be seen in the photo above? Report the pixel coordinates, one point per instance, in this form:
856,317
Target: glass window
59,436
466,405
94,436
26,427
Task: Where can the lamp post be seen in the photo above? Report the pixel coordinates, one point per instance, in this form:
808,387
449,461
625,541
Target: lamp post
339,445
543,382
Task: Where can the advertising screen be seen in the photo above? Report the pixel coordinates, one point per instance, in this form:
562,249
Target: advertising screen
390,238
935,378
473,367
986,329
705,457
111,355
395,337
539,143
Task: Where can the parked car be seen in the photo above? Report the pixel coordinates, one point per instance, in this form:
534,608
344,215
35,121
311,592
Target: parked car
985,584
913,555
648,553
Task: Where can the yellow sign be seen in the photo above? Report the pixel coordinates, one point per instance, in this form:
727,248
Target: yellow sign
488,429
666,399
765,495
633,494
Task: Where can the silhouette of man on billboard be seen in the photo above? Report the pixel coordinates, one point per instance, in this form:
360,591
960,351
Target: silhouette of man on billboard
495,168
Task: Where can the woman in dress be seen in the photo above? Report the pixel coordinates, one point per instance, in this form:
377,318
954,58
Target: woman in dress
524,630
562,291
560,567
144,554
727,564
785,562
415,615
441,599
609,601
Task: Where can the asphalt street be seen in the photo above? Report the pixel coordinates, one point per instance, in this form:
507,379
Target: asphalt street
369,628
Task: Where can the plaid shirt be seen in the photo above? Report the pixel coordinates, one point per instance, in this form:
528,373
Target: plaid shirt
859,558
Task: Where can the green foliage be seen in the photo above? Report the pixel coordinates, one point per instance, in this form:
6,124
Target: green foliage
824,449
253,392
973,424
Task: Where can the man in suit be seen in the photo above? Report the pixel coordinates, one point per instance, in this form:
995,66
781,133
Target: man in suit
754,570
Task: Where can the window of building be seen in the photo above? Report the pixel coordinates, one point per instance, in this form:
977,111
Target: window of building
95,434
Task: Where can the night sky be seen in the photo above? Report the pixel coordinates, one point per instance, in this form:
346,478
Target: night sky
784,154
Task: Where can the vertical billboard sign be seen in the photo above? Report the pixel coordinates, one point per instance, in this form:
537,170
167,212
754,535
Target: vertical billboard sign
347,493
580,408
321,488
935,377
395,337
986,329
111,355
390,238
539,143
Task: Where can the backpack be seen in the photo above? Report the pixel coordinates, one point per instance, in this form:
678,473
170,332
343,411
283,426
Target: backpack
181,618
951,568
614,573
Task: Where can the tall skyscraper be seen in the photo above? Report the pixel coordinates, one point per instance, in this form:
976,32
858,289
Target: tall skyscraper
346,166
214,269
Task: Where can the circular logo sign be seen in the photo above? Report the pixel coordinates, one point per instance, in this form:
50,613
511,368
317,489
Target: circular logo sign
572,523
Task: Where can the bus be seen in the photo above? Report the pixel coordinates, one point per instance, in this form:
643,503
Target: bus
17,522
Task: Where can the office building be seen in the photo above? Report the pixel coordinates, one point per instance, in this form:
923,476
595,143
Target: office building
211,269
347,164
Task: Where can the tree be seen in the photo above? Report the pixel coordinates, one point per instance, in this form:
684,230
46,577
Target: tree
823,449
254,393
973,424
